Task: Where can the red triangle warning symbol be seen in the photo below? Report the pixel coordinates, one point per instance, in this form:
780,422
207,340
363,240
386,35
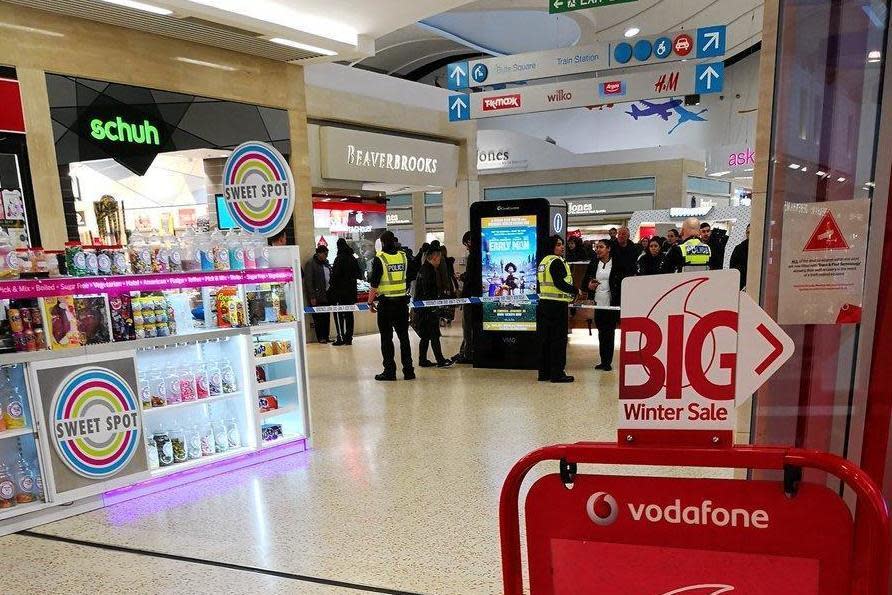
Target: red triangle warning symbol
826,236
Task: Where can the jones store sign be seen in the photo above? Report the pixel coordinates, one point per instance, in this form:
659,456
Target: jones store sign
371,157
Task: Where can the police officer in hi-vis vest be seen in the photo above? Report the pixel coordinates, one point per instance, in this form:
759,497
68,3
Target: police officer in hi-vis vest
556,291
392,271
690,254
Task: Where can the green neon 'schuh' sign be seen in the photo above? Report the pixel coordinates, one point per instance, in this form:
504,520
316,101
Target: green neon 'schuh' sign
119,131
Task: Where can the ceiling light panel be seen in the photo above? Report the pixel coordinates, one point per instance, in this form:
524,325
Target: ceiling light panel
196,31
275,12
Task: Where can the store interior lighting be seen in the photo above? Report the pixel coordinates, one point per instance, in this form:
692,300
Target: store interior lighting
140,6
874,56
303,46
719,174
840,180
794,166
632,32
820,173
277,13
206,64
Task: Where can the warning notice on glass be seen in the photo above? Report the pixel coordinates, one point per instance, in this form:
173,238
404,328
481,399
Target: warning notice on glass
823,250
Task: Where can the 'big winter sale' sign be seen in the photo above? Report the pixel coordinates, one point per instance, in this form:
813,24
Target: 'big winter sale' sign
693,349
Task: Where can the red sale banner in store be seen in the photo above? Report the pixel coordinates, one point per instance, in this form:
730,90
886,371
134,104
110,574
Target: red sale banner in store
666,536
693,349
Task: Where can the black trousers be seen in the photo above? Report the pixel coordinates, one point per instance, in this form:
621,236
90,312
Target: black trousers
393,317
428,326
323,325
606,321
552,325
344,325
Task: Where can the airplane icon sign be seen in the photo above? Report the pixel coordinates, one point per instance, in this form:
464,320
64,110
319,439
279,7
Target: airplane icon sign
663,110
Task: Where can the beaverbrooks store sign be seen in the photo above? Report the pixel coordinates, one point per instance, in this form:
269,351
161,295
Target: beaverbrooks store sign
372,157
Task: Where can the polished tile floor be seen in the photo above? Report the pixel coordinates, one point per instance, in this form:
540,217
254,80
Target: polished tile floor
400,492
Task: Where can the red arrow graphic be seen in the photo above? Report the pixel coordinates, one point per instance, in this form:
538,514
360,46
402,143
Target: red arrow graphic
777,346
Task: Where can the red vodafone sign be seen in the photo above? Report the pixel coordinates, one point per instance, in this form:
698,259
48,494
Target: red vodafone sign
614,535
693,348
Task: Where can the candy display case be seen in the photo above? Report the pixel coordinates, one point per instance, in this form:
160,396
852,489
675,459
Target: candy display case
146,381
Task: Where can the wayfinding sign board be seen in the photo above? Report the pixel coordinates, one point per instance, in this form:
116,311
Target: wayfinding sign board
705,42
559,6
693,349
670,81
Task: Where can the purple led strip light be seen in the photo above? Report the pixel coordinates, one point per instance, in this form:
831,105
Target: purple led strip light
56,286
151,486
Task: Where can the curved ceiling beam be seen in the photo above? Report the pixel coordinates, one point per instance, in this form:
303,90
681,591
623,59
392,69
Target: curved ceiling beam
458,39
429,57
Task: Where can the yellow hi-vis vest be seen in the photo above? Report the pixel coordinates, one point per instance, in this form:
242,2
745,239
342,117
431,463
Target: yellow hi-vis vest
696,255
393,281
547,289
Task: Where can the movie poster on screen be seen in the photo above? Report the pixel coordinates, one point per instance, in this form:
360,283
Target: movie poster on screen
508,247
823,252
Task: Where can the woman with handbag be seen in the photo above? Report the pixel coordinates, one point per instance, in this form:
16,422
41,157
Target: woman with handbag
429,286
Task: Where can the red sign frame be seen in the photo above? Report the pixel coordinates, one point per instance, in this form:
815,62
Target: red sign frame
864,571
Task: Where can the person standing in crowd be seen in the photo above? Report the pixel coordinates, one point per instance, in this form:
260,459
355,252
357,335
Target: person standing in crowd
575,251
716,239
429,286
740,256
689,255
317,276
626,251
672,239
651,261
604,279
344,274
556,291
472,286
612,233
392,271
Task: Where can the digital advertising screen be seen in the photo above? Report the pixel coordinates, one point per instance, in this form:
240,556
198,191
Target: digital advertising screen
508,246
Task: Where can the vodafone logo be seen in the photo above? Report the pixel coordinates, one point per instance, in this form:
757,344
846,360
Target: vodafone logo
602,509
501,102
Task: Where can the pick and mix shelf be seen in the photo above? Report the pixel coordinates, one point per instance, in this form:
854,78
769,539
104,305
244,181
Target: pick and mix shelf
108,384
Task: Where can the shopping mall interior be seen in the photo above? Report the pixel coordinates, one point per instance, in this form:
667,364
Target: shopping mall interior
445,297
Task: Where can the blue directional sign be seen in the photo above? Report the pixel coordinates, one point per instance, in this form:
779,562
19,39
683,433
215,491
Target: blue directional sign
711,41
642,50
622,52
662,48
457,73
459,107
709,78
479,73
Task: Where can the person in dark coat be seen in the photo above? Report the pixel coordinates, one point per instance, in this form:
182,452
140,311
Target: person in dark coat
472,286
625,251
740,256
317,274
575,250
429,286
603,280
651,261
344,274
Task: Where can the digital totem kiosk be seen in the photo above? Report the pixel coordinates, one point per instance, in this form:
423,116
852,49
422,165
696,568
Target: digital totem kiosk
512,237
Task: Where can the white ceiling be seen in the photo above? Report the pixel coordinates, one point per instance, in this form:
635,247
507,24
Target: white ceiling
420,51
347,27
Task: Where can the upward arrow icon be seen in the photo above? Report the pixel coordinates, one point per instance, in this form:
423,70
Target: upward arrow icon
709,74
458,74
